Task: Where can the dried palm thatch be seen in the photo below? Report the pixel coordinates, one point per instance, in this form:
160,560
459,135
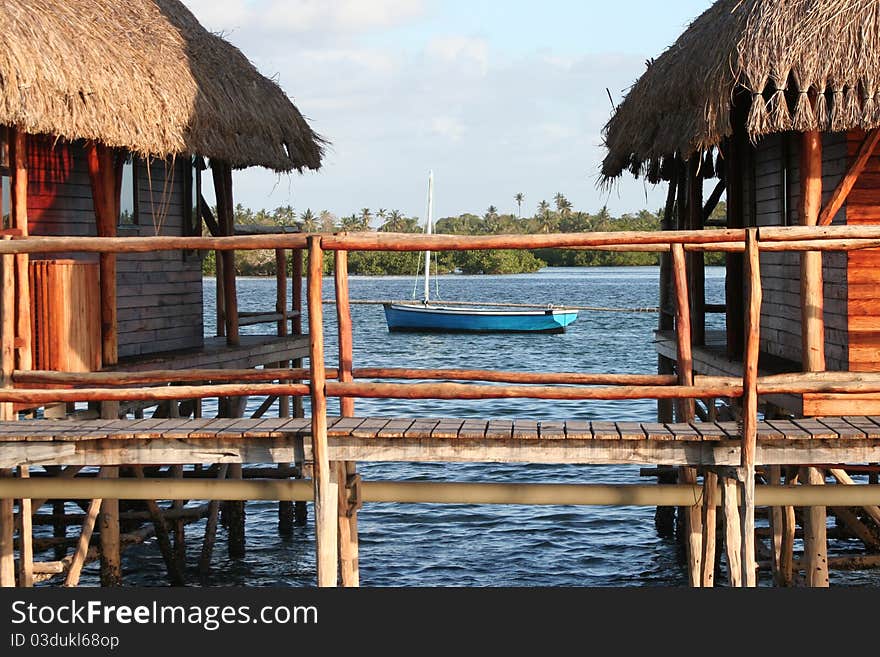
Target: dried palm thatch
808,65
146,76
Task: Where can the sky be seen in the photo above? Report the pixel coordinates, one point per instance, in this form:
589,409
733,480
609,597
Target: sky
497,97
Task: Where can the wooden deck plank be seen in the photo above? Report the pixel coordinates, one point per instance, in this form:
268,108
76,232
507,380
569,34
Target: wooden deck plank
473,429
551,430
604,430
656,431
395,428
499,430
732,430
344,426
864,424
370,427
709,430
816,429
447,429
683,432
789,430
421,428
525,430
630,431
578,430
766,431
843,429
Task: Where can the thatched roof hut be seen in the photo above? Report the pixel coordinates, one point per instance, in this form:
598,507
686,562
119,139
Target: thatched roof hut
780,53
146,76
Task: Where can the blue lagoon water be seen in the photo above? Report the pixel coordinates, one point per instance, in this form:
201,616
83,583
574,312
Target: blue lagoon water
466,545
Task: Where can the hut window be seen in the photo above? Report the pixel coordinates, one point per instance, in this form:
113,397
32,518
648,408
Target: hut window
128,214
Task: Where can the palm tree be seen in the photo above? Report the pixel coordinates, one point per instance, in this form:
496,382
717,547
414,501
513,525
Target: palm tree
380,214
545,217
327,221
519,197
309,222
365,218
351,223
491,212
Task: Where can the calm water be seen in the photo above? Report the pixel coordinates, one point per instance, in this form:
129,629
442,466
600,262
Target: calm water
459,545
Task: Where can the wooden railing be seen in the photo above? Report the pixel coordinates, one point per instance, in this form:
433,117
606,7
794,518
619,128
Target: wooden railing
347,382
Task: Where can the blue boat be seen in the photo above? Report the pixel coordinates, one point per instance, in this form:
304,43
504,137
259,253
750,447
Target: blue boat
476,318
445,319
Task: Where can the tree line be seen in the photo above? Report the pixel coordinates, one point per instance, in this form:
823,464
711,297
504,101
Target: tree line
560,217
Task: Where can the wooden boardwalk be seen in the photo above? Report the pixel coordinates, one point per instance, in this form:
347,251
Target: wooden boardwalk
170,441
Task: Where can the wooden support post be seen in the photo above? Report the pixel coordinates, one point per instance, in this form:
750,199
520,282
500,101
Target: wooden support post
696,260
693,529
108,524
211,527
786,560
812,289
7,531
347,518
20,222
815,535
222,173
684,355
235,517
774,478
7,330
163,538
732,536
709,521
82,545
734,150
285,507
102,175
26,538
219,295
750,405
325,484
59,527
300,510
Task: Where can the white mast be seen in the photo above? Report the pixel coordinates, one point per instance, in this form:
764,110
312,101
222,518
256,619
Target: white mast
429,230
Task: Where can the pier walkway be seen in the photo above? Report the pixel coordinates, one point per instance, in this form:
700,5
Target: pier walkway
275,440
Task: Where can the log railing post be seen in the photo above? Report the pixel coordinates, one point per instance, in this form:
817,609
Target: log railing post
750,404
20,222
7,329
326,492
296,282
347,470
285,507
685,408
812,293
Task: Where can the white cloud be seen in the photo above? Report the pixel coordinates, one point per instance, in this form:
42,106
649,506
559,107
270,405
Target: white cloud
471,52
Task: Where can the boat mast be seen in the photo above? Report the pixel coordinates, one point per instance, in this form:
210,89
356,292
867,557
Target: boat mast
429,230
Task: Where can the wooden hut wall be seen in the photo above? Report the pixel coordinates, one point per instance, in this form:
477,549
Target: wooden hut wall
159,295
863,299
780,272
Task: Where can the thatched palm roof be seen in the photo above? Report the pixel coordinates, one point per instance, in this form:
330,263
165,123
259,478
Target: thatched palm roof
144,75
808,64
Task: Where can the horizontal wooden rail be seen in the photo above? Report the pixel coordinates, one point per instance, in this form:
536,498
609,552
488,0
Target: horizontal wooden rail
811,233
493,376
45,377
418,492
44,396
467,391
251,319
147,244
439,242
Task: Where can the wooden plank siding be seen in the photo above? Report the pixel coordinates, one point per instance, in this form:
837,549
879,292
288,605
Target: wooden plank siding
780,272
863,292
159,295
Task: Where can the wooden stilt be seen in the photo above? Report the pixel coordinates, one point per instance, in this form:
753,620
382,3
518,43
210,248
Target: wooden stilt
694,531
7,529
812,290
815,535
326,496
82,546
235,519
285,507
774,478
20,222
696,261
732,537
786,561
300,510
684,356
347,518
59,527
108,524
26,538
222,174
7,330
163,538
709,517
211,527
750,405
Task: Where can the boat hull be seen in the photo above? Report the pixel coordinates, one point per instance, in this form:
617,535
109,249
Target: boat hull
441,319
